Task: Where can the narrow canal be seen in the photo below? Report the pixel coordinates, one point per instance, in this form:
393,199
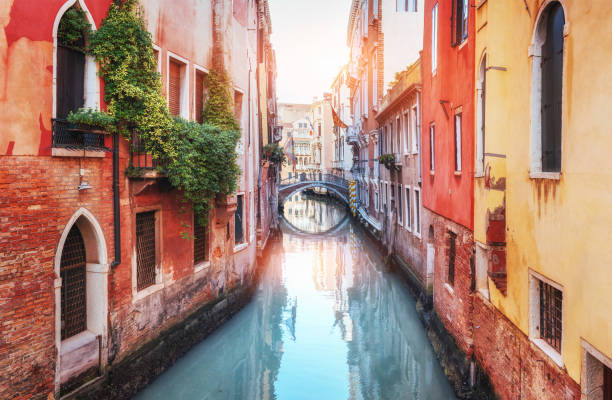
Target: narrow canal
327,322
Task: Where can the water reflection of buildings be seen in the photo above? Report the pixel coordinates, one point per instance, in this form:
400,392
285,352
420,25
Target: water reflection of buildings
390,356
311,214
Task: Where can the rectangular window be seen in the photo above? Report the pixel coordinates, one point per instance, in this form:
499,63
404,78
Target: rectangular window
201,242
414,128
417,212
239,220
398,136
406,134
432,152
200,94
238,106
146,252
408,224
400,206
452,238
551,300
376,201
460,21
174,88
400,5
434,38
458,142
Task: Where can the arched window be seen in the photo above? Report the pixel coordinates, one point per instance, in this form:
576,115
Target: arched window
480,115
75,72
547,89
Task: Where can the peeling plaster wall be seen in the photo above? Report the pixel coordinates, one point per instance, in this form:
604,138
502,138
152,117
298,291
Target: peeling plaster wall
558,228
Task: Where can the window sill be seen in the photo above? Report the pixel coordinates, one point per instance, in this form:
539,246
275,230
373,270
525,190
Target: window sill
240,247
545,175
432,173
457,173
418,235
139,295
201,266
549,351
60,152
462,45
479,174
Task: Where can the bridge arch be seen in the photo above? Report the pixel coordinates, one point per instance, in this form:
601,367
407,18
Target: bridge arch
288,192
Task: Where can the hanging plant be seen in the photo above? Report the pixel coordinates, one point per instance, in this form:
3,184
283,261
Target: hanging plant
388,160
274,153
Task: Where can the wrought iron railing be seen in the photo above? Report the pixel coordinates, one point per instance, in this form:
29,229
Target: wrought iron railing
73,137
139,157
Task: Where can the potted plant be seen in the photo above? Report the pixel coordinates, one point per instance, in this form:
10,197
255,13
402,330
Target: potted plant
94,121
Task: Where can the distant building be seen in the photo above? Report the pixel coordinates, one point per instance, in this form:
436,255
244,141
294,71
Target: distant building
400,206
384,36
341,104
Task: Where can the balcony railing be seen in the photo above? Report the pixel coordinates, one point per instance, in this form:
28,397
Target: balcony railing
139,158
72,137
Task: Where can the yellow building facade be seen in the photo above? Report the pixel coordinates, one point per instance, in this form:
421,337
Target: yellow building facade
542,232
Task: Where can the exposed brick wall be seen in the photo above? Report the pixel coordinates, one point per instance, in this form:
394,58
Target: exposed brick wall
453,304
39,195
517,368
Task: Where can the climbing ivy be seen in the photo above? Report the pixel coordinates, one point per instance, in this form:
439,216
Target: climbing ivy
199,159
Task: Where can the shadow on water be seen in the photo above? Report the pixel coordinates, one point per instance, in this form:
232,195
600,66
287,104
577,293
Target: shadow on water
327,322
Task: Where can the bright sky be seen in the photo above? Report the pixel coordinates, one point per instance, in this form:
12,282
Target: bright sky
309,37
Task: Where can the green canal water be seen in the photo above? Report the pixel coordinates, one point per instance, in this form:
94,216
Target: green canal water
327,322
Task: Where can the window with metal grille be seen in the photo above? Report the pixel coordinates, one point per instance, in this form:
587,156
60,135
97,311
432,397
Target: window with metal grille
74,297
460,21
145,249
452,238
238,220
174,88
552,88
551,300
201,242
200,95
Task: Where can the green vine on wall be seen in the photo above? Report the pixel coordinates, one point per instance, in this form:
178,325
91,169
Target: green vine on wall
74,29
199,159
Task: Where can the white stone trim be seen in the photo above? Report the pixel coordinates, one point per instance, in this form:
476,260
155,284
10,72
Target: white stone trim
185,98
97,270
534,317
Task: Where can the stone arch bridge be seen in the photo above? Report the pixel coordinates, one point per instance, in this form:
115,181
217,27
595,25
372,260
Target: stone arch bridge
335,184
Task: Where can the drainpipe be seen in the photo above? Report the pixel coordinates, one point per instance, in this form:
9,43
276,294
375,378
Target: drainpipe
116,216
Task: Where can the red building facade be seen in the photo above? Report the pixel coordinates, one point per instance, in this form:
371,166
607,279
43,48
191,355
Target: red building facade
73,306
447,137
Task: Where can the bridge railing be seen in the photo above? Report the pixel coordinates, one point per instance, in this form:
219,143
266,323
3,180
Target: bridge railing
315,177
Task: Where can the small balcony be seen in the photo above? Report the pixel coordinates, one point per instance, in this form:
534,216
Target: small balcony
72,140
142,163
